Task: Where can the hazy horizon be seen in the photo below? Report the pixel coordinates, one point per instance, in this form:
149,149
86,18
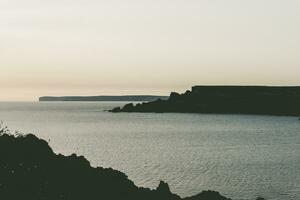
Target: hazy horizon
61,48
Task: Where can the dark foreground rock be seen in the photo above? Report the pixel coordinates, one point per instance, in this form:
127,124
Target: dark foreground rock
30,170
259,100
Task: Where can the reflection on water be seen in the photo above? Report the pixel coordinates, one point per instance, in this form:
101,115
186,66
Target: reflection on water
241,156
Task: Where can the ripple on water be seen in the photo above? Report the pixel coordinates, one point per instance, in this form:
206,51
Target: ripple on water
241,156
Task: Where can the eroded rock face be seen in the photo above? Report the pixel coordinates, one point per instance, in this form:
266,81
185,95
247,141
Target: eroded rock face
29,169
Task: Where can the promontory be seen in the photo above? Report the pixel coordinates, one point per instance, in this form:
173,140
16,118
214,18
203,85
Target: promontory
103,98
259,100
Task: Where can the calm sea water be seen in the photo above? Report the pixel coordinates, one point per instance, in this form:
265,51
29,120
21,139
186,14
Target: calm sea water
241,156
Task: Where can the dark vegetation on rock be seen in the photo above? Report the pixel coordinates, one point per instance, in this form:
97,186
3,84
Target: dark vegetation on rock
261,100
30,170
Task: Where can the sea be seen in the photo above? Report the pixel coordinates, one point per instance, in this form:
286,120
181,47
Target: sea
241,156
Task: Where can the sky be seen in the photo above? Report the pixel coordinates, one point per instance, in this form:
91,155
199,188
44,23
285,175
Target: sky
116,47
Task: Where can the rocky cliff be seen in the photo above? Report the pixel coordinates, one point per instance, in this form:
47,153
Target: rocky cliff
259,100
29,169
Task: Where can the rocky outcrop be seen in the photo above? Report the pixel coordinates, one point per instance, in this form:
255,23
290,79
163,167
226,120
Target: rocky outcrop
259,100
29,169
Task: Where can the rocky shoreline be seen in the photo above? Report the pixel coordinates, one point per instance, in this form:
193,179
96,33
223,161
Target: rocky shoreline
258,100
29,169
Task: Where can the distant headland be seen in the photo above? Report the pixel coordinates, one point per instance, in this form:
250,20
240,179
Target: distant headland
103,98
260,100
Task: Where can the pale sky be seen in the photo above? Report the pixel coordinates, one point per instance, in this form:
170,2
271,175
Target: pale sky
98,47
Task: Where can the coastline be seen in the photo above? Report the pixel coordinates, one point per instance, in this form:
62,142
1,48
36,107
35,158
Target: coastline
251,100
31,170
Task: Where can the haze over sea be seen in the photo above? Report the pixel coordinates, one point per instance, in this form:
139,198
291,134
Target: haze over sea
241,156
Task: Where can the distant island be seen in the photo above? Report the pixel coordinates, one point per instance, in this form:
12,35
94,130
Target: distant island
29,169
260,100
104,98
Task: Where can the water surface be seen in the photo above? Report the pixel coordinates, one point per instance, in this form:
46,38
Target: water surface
242,156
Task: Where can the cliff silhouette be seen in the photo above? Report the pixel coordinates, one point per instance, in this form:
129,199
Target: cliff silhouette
260,100
29,169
